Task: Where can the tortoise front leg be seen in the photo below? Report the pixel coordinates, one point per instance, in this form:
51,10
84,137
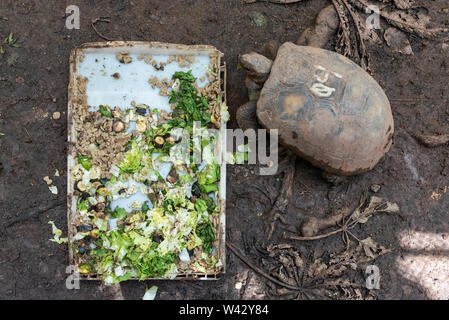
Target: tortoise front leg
258,69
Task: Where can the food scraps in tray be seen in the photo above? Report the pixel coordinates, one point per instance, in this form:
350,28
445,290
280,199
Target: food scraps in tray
172,225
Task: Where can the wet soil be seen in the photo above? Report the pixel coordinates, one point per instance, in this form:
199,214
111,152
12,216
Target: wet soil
33,85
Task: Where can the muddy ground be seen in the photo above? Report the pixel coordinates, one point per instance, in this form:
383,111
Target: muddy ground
33,84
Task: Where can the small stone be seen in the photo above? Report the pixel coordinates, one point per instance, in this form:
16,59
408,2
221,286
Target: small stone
375,188
56,115
116,76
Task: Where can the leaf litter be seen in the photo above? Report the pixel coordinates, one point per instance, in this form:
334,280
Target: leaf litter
296,273
353,33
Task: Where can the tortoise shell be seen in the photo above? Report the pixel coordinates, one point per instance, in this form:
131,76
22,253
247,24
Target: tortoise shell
327,109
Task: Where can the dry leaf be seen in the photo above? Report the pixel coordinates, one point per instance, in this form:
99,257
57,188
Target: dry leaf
370,35
375,205
405,21
372,249
404,4
284,1
398,41
318,267
390,207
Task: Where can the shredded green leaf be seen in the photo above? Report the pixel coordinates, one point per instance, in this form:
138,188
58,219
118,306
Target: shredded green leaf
57,234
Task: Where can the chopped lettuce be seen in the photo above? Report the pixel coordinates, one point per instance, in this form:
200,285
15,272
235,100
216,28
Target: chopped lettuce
150,294
200,205
85,162
57,234
105,111
150,240
208,177
53,189
131,161
118,213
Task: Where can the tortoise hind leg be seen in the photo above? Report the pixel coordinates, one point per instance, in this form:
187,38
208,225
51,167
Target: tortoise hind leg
326,25
334,179
246,116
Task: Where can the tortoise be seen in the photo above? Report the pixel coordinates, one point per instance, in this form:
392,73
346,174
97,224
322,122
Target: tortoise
326,108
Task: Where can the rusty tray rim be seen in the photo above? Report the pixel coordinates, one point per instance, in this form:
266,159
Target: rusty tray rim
75,54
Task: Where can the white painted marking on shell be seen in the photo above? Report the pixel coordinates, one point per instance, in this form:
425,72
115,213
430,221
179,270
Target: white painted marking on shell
319,88
337,75
325,77
322,90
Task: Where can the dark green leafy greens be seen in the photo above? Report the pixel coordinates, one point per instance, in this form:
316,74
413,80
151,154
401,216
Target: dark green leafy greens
206,233
105,111
190,105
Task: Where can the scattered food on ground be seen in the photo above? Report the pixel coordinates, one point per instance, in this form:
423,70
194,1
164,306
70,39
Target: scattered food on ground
56,115
53,189
48,180
57,234
150,294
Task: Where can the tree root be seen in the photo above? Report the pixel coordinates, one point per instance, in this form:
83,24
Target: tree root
100,19
431,141
258,270
283,199
347,220
326,25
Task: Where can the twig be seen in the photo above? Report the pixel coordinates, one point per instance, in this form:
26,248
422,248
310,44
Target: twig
340,284
431,141
101,19
23,217
364,56
263,192
283,199
260,271
321,236
401,23
357,216
343,45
